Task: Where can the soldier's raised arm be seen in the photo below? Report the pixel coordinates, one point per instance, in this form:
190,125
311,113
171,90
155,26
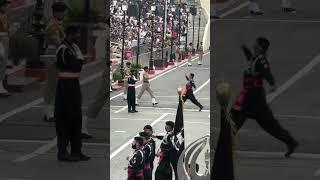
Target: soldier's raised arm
246,52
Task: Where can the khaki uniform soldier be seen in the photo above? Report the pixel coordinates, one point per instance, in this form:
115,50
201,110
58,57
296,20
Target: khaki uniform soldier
4,45
200,54
146,87
127,74
54,37
189,54
94,108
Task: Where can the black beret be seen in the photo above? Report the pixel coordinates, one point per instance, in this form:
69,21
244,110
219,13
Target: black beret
148,127
59,6
143,134
139,140
170,123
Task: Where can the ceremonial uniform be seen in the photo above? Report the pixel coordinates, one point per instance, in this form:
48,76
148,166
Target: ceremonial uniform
146,87
252,103
68,101
136,166
167,149
131,96
152,142
4,40
148,159
188,93
54,36
127,73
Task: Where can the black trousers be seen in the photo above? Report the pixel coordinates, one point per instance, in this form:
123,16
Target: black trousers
258,109
68,116
164,171
131,98
192,98
147,174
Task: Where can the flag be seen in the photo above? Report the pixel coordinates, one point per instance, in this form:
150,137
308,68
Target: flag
223,167
178,137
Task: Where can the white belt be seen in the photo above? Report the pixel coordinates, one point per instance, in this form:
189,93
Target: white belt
131,85
68,75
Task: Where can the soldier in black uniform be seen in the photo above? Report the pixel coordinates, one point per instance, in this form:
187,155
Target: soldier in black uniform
148,155
131,94
136,161
167,150
68,97
252,103
149,131
188,93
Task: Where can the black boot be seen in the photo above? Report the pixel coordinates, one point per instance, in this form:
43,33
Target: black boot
291,148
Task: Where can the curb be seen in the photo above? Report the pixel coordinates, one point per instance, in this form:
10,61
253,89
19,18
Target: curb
159,72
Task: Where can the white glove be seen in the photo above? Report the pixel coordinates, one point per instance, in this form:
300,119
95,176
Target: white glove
78,52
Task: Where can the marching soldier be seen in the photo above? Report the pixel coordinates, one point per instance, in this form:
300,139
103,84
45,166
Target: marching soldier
189,54
252,101
95,106
200,54
54,36
167,149
68,103
127,74
188,93
149,131
148,155
4,40
136,161
131,96
285,4
146,87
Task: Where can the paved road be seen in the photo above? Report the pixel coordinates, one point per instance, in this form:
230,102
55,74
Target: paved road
27,144
125,126
294,60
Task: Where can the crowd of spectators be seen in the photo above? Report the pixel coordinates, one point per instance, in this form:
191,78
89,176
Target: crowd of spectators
131,26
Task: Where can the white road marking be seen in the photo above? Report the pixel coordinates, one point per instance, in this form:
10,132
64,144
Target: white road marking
294,78
113,154
120,131
317,173
202,86
125,107
242,5
37,152
272,20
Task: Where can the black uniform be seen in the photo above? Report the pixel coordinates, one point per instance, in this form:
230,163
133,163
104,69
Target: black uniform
252,103
148,159
131,94
136,165
168,150
188,93
68,112
153,155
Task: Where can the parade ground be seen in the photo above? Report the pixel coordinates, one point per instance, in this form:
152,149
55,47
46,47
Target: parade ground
28,148
294,60
125,126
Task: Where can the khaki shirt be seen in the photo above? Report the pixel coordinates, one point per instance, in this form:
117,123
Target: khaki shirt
146,77
54,33
127,71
